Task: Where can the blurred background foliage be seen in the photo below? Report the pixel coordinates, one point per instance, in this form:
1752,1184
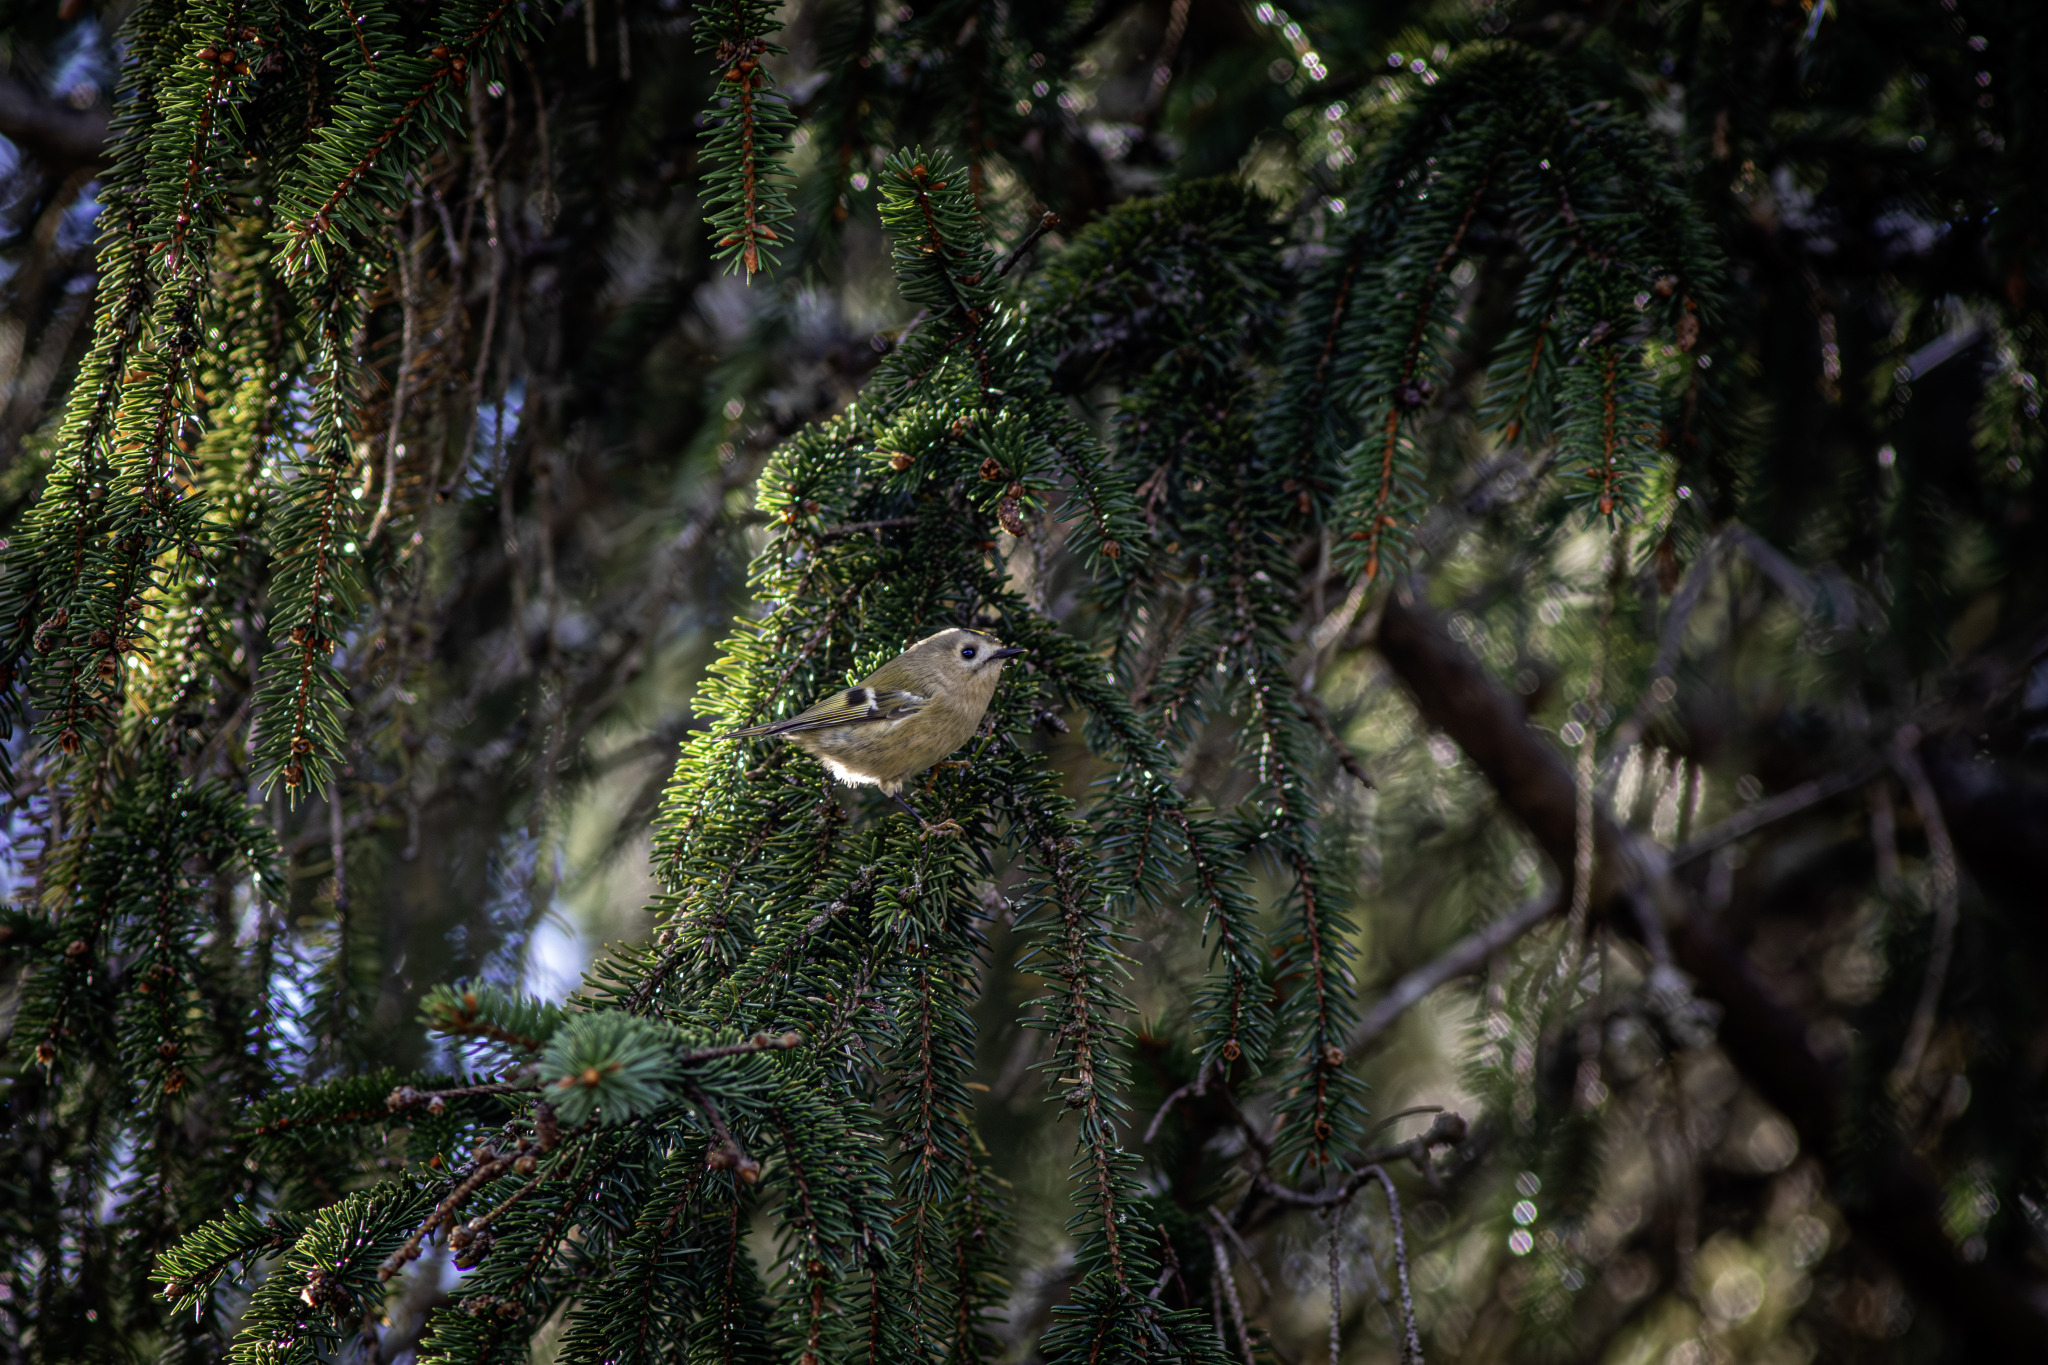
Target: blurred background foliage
573,398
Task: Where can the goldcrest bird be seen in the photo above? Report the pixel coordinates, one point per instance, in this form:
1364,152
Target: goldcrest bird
905,716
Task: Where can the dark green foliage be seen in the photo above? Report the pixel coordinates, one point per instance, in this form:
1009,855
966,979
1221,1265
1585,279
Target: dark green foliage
1641,343
747,204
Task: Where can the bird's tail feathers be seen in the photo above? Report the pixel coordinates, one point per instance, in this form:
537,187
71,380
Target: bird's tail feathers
768,729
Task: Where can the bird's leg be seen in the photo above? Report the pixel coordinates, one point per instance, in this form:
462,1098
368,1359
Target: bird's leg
951,827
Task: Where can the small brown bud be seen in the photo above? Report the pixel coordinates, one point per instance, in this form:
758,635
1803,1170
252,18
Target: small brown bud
324,1289
1333,1056
472,1255
1010,513
1688,331
1112,549
993,471
1231,1051
899,461
77,948
1665,286
525,1164
437,1106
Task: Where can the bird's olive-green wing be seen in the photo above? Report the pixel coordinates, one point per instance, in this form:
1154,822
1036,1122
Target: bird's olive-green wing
851,706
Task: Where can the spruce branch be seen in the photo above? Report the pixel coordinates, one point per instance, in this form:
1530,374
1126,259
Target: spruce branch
747,203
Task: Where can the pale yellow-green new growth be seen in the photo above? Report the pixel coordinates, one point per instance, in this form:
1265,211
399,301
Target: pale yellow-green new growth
905,716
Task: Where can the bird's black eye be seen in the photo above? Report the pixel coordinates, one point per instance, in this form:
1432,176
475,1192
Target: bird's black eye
967,653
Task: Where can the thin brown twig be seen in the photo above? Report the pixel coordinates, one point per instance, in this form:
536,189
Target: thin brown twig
1198,1086
406,1097
1466,956
485,1172
735,1156
409,267
1941,856
1318,716
854,528
1046,223
1411,1345
1336,1289
1228,1283
1449,1130
1780,807
1244,1252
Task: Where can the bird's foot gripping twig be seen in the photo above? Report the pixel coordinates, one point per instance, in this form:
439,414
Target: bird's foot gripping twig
949,828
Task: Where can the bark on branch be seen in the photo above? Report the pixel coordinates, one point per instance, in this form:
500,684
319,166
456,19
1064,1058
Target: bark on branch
54,133
1899,1211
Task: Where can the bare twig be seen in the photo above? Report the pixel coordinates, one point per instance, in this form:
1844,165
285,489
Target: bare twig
760,1042
1941,856
1779,807
1244,1252
406,1097
1171,1271
408,355
1411,1346
1449,1130
1224,1280
1336,1291
854,528
728,1154
1468,955
1046,224
1319,717
484,1220
1199,1085
486,1171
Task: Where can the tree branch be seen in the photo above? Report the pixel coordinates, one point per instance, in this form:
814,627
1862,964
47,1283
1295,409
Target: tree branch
1466,956
1899,1213
1780,807
54,133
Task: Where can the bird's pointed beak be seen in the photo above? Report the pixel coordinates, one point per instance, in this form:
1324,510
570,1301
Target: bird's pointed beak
1008,652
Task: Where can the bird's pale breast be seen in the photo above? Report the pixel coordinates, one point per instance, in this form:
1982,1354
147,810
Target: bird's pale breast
875,752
